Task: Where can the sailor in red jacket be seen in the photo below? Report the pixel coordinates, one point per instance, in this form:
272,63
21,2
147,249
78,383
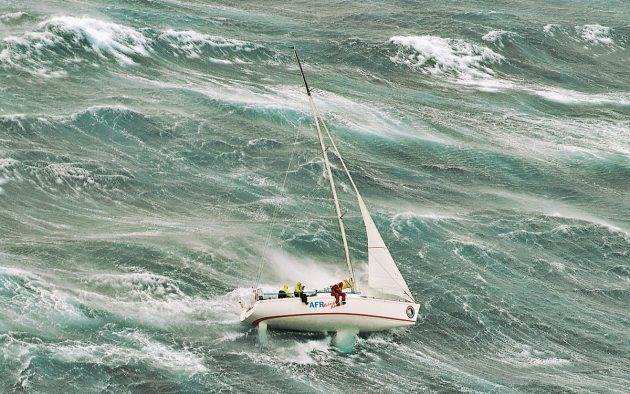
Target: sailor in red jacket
336,291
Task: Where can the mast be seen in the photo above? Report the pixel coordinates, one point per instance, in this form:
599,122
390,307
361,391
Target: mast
333,189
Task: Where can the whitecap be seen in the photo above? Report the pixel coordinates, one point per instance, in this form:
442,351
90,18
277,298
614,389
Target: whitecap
32,51
157,301
359,116
139,285
295,352
445,56
549,29
595,34
12,16
64,172
529,356
572,97
495,36
36,302
220,61
192,43
103,37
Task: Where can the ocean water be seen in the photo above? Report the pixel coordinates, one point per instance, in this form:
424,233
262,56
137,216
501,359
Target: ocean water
143,147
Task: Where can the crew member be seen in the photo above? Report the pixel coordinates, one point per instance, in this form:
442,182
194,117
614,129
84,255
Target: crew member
337,292
284,291
298,291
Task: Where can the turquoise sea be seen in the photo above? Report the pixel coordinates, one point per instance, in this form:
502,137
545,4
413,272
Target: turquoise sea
143,150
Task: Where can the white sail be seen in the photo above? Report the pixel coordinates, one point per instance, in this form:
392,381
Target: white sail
384,278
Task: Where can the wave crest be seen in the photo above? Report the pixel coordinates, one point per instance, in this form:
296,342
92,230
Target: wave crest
192,44
67,37
595,34
439,56
57,44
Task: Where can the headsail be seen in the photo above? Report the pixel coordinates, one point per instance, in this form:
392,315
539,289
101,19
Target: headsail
384,278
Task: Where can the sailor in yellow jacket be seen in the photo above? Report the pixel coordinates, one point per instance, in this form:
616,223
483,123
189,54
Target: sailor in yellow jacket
284,291
298,291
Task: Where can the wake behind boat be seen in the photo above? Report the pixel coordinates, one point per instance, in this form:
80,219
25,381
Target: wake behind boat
386,302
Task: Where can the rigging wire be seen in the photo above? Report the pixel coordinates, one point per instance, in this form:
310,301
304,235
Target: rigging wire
275,210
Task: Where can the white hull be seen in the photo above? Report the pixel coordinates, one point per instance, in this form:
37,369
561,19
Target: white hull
321,314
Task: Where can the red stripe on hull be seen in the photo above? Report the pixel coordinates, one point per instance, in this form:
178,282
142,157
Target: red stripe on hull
255,322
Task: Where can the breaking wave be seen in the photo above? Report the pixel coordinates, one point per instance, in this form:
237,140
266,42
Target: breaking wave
12,17
445,56
595,34
193,44
60,44
496,36
469,64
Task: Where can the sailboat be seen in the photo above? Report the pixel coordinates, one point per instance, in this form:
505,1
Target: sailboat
385,303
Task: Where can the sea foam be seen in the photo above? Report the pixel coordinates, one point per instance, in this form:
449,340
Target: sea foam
7,163
130,348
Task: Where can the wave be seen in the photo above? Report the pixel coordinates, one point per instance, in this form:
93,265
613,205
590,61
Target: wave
573,97
526,356
139,349
445,56
552,208
121,349
495,36
316,352
588,36
58,44
12,17
71,38
549,29
103,38
29,298
468,64
139,285
288,104
595,34
57,171
192,44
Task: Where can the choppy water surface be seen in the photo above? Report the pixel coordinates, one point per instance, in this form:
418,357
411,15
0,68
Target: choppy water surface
143,146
